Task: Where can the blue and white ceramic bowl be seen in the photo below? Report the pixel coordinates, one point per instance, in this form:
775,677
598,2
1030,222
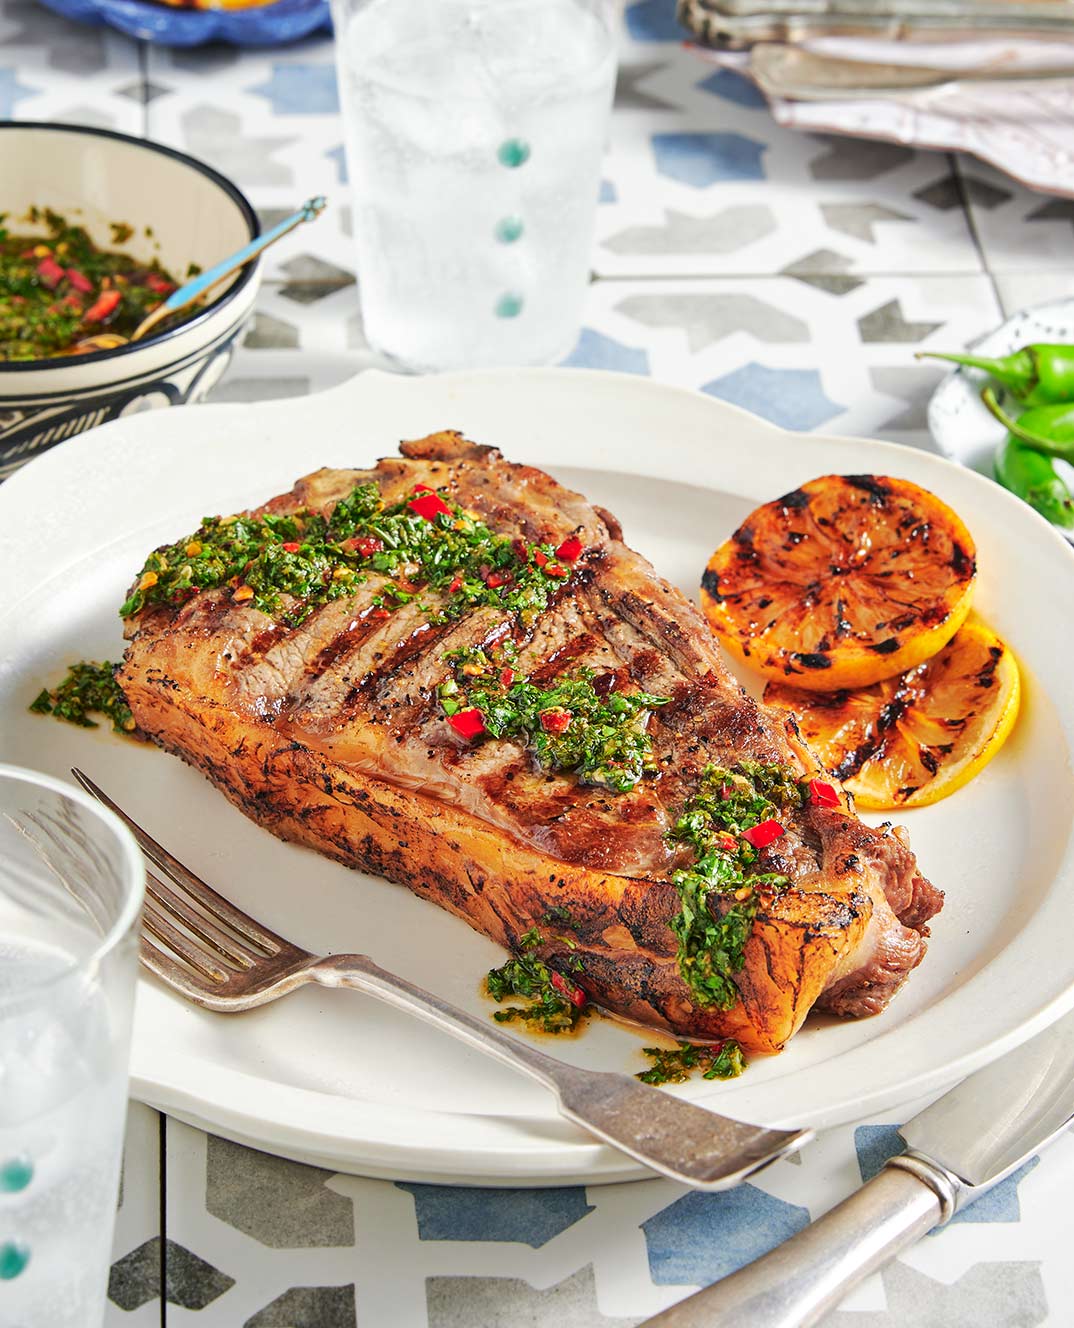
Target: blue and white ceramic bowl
182,212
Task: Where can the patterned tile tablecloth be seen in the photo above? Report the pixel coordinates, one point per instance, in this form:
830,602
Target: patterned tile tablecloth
793,275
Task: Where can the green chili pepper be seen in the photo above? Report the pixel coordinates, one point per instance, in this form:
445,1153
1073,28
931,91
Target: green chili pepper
1048,429
1028,474
1036,375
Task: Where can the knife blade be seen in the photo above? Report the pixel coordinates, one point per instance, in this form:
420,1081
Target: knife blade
958,1149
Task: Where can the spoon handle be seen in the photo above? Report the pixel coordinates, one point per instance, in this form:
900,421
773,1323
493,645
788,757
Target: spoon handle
205,281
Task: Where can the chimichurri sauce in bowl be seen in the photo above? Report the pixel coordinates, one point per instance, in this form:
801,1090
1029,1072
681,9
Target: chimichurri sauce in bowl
58,288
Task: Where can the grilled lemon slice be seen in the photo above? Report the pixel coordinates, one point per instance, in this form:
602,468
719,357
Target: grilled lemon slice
912,740
841,583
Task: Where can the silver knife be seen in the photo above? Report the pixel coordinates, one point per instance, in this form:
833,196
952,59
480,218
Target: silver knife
958,1149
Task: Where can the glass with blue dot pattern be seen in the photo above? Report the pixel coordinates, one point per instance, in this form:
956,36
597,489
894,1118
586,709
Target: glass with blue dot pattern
67,978
14,1256
474,147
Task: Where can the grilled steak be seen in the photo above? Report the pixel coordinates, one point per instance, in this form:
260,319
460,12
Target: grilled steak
342,727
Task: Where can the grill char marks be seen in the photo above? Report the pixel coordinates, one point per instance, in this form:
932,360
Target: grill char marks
331,733
512,499
304,651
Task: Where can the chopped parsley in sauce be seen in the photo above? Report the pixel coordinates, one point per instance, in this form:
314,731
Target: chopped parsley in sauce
88,689
554,1003
728,821
426,541
568,725
58,288
722,1060
559,917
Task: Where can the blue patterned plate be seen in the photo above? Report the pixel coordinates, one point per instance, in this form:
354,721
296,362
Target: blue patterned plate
267,25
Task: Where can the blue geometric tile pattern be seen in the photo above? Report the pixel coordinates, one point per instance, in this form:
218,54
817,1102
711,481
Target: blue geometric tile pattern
339,156
730,85
793,398
702,1237
597,351
702,159
874,1144
11,92
654,21
1002,1203
301,90
530,1217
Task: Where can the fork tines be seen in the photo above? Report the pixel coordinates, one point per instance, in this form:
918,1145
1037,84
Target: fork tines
195,936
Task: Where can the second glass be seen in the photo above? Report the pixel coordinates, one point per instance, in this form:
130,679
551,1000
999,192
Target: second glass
474,130
71,884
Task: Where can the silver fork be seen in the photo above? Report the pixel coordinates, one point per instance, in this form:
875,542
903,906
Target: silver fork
215,955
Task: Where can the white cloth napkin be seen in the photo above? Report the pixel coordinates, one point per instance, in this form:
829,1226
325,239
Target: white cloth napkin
1026,129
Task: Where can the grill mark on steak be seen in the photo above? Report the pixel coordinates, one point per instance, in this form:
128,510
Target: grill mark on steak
567,658
335,692
331,734
306,650
403,695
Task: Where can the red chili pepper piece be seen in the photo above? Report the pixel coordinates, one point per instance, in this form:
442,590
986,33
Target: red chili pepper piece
292,546
456,584
726,790
554,569
574,994
159,285
429,505
496,579
105,304
73,302
50,272
823,794
555,720
79,281
760,836
424,488
541,559
468,723
367,545
507,676
570,550
727,842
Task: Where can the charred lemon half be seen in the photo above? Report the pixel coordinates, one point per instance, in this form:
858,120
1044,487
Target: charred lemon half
912,740
841,583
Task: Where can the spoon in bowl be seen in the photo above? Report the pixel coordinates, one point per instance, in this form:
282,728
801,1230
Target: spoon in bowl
198,286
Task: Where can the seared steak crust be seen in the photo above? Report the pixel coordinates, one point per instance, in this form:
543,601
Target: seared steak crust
331,734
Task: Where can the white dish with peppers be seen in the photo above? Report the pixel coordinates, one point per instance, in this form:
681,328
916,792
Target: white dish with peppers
963,428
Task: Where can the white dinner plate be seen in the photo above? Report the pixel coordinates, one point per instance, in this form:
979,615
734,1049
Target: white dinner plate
962,426
336,1079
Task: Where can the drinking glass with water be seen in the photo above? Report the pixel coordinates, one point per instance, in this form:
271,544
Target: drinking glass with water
474,132
71,882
